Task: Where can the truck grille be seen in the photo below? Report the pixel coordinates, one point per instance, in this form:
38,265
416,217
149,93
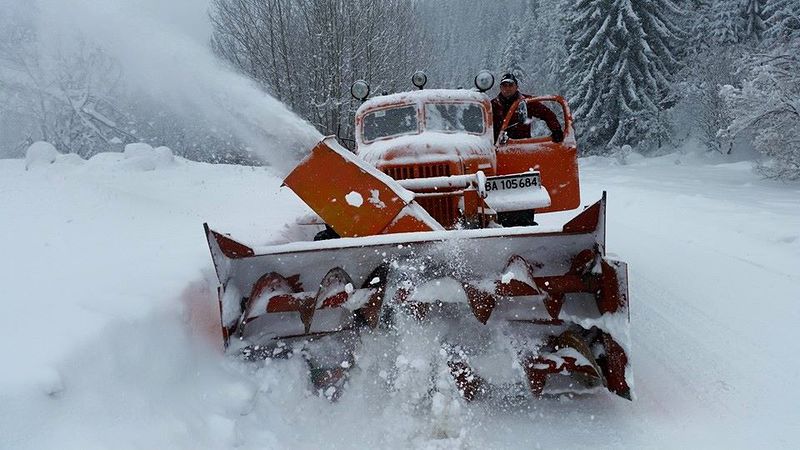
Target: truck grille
418,171
443,209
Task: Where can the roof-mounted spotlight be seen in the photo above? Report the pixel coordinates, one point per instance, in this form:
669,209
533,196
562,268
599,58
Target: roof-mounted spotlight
484,80
360,90
419,79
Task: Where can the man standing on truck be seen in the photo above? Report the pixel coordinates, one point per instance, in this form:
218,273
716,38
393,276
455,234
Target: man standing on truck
509,93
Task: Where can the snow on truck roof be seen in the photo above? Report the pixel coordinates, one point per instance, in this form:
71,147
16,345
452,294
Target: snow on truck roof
423,95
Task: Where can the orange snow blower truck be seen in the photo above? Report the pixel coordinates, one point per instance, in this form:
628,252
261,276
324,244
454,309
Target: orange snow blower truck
432,219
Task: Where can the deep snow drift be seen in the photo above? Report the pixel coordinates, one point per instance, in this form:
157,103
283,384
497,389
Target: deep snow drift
99,256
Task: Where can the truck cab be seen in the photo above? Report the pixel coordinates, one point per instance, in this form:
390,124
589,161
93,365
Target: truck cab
427,134
436,133
418,134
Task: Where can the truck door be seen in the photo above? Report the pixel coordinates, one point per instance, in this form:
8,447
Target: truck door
556,161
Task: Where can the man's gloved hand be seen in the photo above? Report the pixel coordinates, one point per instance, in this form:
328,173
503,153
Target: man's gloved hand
503,138
557,135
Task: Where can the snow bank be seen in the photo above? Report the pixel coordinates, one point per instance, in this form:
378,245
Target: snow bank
627,155
141,156
40,154
136,157
70,159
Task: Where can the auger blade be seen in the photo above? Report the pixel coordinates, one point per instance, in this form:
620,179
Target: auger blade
556,279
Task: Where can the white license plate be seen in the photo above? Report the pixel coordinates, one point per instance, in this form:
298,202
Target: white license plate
511,182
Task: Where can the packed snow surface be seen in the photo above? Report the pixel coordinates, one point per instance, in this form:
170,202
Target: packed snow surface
100,257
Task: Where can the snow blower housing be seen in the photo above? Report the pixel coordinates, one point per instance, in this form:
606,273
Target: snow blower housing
430,215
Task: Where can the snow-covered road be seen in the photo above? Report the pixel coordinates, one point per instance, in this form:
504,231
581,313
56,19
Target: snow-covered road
714,258
97,256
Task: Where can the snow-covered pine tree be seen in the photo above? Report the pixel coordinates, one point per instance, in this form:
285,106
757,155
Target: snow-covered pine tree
782,20
545,46
725,28
488,59
514,50
530,28
701,28
621,60
752,17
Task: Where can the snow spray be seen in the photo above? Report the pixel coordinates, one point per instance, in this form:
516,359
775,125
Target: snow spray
164,51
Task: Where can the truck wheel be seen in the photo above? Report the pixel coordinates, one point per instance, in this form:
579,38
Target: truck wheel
522,218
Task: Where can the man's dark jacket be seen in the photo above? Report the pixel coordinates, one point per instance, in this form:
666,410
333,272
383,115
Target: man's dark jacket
500,107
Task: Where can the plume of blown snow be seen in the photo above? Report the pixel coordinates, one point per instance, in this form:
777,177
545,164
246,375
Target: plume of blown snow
164,51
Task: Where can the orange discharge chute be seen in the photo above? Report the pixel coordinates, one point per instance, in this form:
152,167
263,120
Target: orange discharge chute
354,198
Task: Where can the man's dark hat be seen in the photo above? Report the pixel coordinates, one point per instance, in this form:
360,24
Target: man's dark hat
508,78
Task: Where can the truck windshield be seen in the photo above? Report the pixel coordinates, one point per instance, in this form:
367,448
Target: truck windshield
390,122
454,117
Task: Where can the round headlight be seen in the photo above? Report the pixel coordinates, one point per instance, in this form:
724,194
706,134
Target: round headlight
484,80
360,90
419,79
